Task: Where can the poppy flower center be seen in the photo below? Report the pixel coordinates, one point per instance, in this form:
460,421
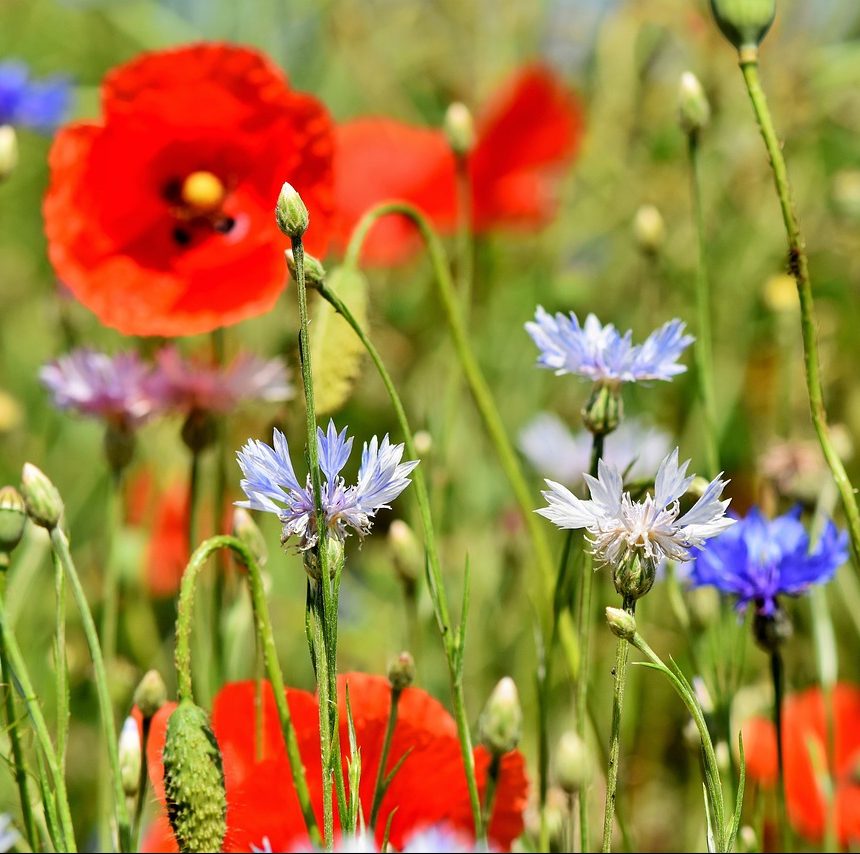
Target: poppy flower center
202,192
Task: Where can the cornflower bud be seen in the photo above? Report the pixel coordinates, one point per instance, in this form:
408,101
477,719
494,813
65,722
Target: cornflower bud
44,505
13,518
8,151
150,694
649,229
694,111
459,129
407,552
622,623
314,270
604,410
130,758
501,722
246,530
744,22
290,212
634,576
574,764
401,672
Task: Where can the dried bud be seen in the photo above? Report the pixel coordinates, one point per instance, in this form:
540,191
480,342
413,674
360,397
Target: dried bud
744,22
459,129
194,781
574,765
314,270
649,229
604,410
291,213
44,505
8,151
622,623
150,694
501,722
634,577
130,758
694,111
246,530
407,552
401,672
13,518
771,631
119,444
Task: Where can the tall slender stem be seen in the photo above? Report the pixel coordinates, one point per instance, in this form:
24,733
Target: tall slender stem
464,234
219,496
703,349
777,675
378,790
140,801
798,265
620,673
490,792
60,665
193,499
323,686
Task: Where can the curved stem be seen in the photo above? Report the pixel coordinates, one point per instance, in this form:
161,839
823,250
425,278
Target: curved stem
798,265
266,640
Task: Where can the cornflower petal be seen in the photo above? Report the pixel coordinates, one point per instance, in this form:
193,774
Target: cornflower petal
566,510
334,449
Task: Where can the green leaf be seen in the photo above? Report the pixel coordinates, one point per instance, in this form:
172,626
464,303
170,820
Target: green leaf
336,351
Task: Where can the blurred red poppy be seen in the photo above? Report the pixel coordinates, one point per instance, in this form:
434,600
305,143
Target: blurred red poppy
429,788
160,218
805,737
530,129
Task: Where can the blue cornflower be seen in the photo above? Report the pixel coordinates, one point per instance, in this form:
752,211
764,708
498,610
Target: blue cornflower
36,104
272,486
602,354
758,559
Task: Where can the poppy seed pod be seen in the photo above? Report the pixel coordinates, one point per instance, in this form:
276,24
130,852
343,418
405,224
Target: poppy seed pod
290,212
744,22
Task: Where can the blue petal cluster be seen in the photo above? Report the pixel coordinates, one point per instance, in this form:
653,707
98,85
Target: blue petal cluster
758,559
601,353
36,104
271,484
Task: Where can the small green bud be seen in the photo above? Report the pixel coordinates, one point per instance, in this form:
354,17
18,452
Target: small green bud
130,757
501,722
771,631
459,129
622,623
649,230
44,505
314,270
401,672
199,430
604,410
574,764
150,694
8,151
13,518
246,530
744,22
407,552
694,111
290,212
119,444
194,781
634,577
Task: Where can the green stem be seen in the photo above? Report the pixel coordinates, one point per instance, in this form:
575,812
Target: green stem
378,790
61,673
323,684
464,234
193,499
265,638
777,675
490,793
220,492
620,674
60,543
436,584
140,801
704,348
798,264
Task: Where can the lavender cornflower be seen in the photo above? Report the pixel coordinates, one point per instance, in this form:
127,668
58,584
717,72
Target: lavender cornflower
115,389
270,482
36,104
623,531
759,559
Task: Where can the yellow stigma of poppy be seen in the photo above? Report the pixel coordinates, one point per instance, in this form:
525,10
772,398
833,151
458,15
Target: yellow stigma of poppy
203,192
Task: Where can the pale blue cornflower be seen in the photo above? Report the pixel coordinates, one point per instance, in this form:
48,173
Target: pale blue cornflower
602,354
36,104
272,486
620,528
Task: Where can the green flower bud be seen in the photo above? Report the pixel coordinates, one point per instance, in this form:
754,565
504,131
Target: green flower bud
771,631
246,530
130,757
649,229
501,722
150,694
574,764
194,781
407,552
622,623
119,444
401,672
314,270
747,840
290,212
694,111
604,410
199,430
8,151
744,22
13,518
634,577
459,129
44,505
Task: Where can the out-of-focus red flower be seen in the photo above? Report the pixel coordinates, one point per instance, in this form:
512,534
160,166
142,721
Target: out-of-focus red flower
160,218
805,736
527,132
429,789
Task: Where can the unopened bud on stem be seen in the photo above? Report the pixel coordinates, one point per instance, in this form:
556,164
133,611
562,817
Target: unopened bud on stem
246,530
130,757
290,212
13,518
501,722
694,111
459,129
150,694
574,765
622,623
401,672
44,505
744,22
314,270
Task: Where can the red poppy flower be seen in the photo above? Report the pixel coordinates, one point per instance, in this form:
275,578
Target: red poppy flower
530,129
805,736
160,218
429,789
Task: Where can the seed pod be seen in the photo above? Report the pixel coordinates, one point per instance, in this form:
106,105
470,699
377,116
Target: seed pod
744,22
